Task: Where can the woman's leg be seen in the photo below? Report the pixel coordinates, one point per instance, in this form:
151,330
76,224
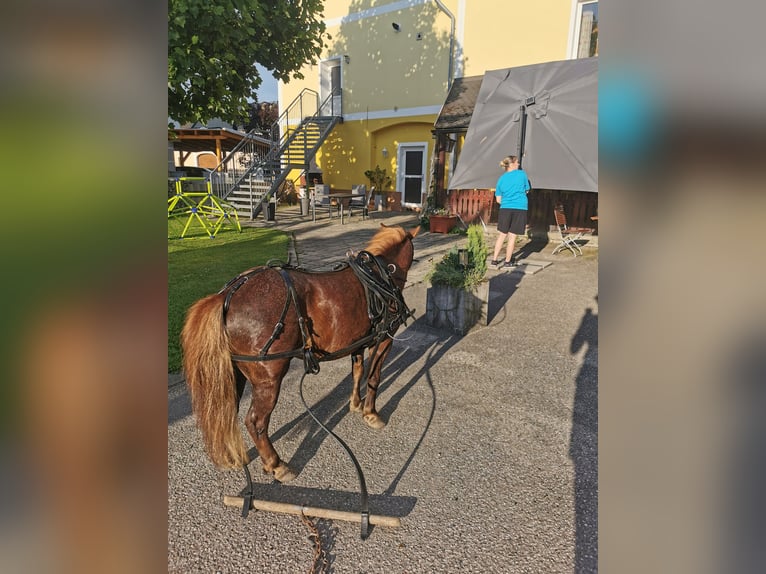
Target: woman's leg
511,247
498,244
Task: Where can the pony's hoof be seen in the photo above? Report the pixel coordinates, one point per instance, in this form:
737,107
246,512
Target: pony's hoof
282,473
356,409
373,420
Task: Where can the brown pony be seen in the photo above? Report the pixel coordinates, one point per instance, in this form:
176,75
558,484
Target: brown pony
267,316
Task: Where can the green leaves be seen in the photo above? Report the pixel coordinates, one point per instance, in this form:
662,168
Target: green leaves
379,178
449,272
213,46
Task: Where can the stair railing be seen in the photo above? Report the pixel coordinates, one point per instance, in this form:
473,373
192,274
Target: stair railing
238,163
299,112
255,152
266,155
257,160
305,104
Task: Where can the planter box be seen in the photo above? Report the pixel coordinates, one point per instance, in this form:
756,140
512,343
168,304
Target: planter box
441,223
457,310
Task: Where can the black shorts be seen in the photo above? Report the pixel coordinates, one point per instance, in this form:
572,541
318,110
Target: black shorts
512,220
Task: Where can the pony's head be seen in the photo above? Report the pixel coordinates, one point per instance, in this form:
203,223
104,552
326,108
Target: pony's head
394,244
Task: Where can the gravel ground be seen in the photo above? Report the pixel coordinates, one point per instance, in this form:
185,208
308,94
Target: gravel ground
489,457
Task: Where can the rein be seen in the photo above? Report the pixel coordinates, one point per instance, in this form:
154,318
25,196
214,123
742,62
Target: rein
363,496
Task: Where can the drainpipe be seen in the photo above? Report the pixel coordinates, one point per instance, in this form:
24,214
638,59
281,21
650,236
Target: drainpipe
451,41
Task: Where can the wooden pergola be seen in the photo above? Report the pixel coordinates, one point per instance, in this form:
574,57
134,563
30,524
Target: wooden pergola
219,140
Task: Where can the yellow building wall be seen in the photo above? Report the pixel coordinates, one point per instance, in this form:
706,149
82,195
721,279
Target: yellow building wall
508,33
387,70
353,148
394,84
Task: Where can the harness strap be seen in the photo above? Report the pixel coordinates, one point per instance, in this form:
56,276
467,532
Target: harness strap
296,353
310,363
234,284
386,307
279,327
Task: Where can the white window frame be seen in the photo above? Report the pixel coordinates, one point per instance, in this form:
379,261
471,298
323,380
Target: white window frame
400,152
574,27
325,83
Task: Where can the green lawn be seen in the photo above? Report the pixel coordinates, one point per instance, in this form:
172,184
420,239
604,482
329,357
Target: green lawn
199,266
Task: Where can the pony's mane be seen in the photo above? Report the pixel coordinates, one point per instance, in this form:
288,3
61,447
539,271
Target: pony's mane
384,239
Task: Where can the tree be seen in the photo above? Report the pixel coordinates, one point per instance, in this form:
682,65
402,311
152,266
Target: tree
213,46
261,116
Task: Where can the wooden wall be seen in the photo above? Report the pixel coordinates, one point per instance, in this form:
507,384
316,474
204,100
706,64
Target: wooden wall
579,207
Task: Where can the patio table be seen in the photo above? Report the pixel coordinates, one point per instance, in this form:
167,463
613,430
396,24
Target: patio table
343,199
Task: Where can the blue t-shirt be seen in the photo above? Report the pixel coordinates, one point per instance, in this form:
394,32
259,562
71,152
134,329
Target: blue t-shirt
512,188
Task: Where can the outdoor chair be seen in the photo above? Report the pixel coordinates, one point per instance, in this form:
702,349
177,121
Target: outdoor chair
322,197
568,237
360,200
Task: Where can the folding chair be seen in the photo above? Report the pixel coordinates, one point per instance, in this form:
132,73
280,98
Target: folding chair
569,237
360,200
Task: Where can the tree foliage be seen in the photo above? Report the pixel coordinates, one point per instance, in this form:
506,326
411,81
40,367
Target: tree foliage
213,46
261,116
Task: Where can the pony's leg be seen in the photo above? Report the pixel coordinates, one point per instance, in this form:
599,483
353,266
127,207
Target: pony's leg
265,395
357,371
371,416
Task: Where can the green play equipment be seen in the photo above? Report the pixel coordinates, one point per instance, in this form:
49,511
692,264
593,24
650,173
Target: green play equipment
201,208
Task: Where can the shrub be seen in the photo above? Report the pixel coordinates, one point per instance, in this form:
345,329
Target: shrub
449,272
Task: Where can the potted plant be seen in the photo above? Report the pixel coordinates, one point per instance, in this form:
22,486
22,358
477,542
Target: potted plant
459,294
380,181
440,220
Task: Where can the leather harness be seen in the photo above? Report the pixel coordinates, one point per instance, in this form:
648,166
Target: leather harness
386,308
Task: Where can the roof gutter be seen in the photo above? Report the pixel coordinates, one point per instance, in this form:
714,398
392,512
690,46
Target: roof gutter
451,41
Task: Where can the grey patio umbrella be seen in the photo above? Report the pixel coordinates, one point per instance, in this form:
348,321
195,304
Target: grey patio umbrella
561,135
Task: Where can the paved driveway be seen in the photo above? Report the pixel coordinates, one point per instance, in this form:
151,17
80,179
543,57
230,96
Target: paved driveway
489,457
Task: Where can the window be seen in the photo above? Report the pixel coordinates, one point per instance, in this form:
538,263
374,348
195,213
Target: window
586,30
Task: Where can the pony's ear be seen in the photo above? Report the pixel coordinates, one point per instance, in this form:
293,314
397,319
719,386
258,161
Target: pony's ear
414,231
383,224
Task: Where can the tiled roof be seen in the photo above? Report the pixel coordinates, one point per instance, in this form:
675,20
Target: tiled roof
458,108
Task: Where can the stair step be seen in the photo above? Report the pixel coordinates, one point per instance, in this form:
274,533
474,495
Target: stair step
256,186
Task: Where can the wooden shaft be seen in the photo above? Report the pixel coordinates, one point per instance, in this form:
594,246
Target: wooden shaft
311,511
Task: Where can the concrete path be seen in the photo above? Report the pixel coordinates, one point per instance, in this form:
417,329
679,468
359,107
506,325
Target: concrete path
489,456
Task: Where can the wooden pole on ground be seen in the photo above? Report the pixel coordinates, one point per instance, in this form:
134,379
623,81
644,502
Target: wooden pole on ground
286,508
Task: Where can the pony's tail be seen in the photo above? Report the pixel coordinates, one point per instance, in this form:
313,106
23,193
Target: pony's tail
209,374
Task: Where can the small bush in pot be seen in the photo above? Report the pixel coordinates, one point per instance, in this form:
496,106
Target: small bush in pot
449,270
459,293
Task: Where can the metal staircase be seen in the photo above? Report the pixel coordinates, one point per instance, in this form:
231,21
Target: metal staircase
253,171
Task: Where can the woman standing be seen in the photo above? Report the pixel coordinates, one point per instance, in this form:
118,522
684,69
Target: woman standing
511,193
